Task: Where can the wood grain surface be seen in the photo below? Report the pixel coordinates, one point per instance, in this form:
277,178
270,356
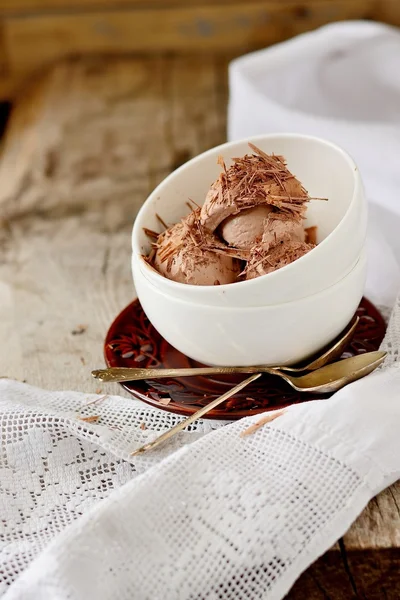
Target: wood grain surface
85,145
35,33
238,27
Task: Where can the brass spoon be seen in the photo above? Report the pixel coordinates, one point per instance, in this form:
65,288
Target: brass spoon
197,415
326,379
120,374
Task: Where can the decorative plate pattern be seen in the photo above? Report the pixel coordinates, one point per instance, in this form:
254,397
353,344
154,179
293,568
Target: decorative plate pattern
133,342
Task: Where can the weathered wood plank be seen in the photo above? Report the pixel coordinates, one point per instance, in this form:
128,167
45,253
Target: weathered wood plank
50,6
101,134
387,11
9,87
380,526
35,40
34,33
83,150
51,284
342,575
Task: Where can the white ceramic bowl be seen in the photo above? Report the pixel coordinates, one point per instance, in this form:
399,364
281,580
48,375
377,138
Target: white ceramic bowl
275,335
323,168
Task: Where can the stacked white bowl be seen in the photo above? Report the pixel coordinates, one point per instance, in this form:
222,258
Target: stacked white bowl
279,318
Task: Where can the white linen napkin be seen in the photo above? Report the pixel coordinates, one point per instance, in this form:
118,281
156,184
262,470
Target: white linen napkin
340,82
214,515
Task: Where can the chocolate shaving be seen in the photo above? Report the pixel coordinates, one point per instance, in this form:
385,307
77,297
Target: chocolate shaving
163,223
150,233
95,401
152,254
91,419
195,203
263,421
79,330
164,401
311,235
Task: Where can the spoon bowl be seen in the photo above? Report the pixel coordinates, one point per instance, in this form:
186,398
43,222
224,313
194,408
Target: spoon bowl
333,377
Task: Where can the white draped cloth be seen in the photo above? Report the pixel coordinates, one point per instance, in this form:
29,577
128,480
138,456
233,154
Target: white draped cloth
213,515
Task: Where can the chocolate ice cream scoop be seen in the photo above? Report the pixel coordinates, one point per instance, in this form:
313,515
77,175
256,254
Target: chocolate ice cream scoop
183,255
256,179
246,228
278,228
264,260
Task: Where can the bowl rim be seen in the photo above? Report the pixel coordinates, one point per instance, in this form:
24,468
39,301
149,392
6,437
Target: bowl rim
361,263
204,289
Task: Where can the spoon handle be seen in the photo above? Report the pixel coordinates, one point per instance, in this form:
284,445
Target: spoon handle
119,374
197,415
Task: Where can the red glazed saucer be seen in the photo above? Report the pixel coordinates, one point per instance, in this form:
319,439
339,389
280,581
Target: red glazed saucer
133,342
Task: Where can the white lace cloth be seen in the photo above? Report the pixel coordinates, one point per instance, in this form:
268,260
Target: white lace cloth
222,517
211,516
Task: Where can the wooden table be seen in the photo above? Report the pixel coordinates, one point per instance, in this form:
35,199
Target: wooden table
84,146
35,33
